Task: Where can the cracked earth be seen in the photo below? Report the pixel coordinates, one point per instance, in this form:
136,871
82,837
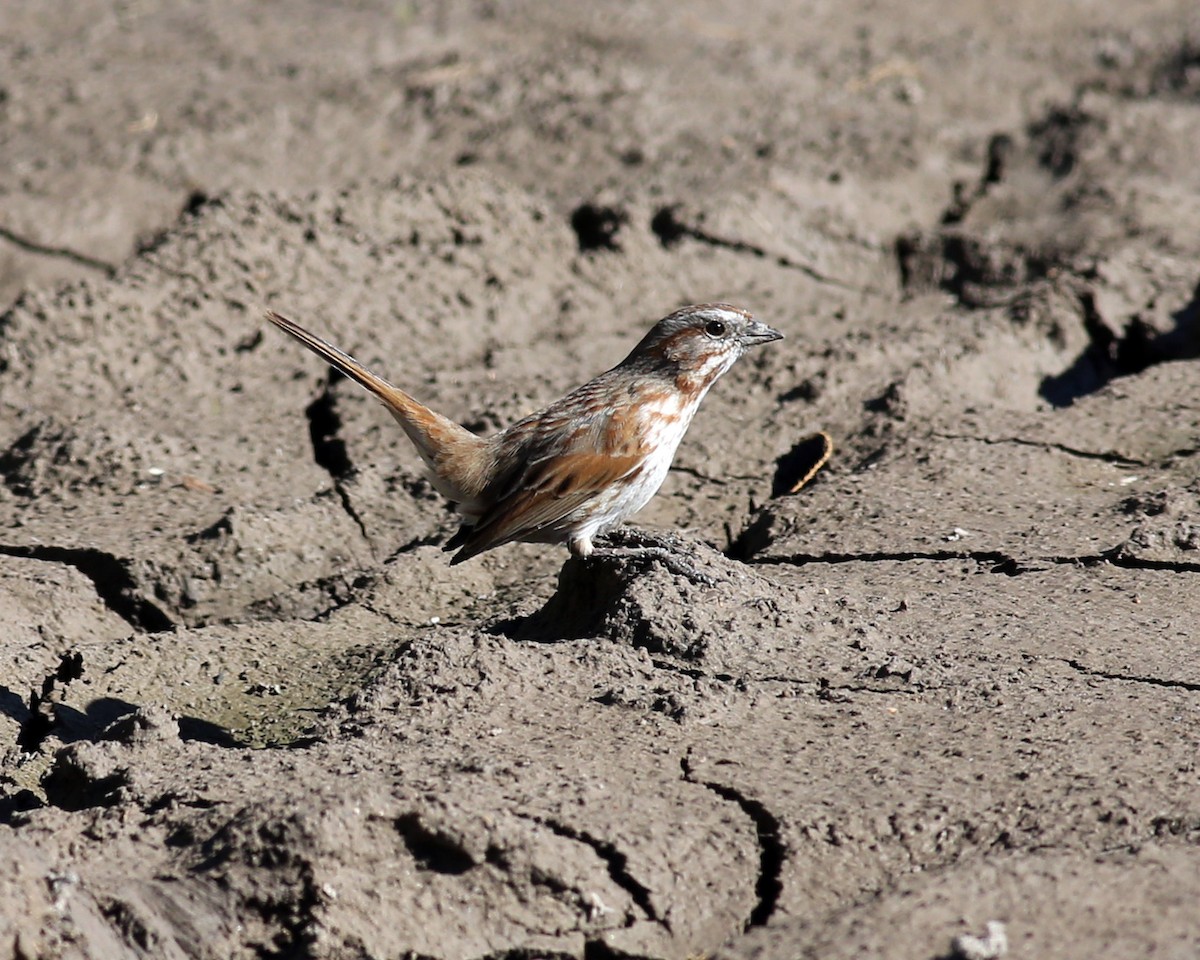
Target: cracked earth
247,708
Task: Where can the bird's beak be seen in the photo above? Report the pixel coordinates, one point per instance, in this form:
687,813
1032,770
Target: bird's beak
758,333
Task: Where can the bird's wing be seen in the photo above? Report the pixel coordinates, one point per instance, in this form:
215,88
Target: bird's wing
542,493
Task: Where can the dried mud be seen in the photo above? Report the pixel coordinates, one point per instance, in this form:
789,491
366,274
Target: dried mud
249,711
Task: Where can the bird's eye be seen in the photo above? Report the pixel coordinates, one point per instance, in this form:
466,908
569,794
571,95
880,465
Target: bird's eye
715,329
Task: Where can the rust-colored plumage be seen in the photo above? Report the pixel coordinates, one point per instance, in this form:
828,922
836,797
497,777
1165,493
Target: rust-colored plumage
589,460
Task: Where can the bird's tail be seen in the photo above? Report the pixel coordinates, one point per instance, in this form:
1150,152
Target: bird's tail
441,442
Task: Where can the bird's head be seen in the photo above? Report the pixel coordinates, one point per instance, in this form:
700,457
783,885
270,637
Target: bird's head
696,345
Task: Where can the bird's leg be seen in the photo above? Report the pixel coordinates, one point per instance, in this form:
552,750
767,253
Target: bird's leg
632,544
580,546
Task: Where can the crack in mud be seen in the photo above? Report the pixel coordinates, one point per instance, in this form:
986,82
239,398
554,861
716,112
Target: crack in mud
329,449
1117,559
344,497
61,253
998,561
114,586
825,690
428,540
692,673
339,589
707,478
772,849
1105,456
1188,685
821,686
670,229
431,848
297,921
616,862
40,720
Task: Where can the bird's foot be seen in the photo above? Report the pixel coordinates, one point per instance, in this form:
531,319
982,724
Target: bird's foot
679,557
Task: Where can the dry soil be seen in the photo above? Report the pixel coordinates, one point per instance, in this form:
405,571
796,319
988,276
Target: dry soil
248,710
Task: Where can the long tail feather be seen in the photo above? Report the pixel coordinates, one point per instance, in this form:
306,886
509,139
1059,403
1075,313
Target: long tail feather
389,394
441,442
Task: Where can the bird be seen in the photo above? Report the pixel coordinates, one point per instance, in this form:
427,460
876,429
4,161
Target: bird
571,472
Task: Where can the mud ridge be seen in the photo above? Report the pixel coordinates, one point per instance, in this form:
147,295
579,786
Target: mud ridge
114,586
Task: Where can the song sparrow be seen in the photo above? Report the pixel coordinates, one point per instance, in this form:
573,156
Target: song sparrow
576,469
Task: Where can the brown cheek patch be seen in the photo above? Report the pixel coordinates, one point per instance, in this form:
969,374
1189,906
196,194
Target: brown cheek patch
674,346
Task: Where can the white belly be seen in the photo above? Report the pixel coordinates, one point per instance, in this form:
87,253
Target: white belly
665,425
